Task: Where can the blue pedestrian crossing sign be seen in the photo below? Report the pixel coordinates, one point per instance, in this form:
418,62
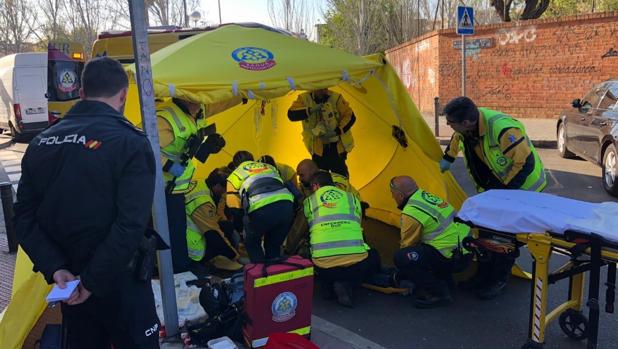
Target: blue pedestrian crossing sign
465,20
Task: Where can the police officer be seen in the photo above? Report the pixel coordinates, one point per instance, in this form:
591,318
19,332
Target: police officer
430,243
268,206
498,155
179,123
327,120
83,205
341,257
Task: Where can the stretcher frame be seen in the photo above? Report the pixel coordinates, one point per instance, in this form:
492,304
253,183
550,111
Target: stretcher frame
573,244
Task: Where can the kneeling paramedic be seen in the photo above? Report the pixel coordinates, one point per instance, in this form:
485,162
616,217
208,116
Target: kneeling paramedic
342,258
83,205
205,239
267,206
430,243
498,155
183,135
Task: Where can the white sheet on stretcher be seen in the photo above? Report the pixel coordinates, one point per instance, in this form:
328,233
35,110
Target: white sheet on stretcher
518,211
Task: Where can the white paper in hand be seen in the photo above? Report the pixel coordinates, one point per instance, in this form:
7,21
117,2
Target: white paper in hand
58,294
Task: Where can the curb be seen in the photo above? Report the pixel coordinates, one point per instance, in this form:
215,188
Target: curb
5,141
538,143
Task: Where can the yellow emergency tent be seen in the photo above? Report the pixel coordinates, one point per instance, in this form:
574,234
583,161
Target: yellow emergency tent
271,69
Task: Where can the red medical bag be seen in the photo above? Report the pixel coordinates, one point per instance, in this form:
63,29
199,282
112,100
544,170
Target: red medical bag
278,298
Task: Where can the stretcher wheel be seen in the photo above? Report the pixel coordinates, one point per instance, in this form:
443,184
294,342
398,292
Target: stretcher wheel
574,324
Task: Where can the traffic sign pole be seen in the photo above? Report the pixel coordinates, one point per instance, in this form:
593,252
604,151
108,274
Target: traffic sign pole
463,65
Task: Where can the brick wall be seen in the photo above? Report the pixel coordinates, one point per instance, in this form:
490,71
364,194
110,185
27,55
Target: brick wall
527,69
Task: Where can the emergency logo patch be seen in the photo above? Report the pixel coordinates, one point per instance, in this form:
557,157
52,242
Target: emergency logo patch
67,81
502,161
430,198
413,256
512,138
255,167
329,198
254,58
284,307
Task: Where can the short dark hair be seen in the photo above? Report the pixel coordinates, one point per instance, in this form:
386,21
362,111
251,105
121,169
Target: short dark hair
216,177
267,159
103,77
321,178
460,109
241,156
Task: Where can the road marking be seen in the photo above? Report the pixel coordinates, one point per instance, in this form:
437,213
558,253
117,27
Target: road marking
8,156
343,334
12,169
11,162
14,177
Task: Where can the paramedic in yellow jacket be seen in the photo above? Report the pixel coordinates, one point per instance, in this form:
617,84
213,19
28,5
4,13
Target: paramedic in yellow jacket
268,207
206,240
430,249
498,155
341,257
177,121
327,120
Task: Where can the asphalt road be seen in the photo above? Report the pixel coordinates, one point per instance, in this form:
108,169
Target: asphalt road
393,322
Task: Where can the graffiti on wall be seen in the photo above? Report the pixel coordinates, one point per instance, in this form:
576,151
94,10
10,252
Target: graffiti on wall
516,35
610,53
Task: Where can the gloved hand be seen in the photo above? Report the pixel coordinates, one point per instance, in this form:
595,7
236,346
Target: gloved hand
176,170
212,145
316,110
445,165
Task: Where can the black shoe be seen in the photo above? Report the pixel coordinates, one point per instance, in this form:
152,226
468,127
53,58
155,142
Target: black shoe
492,291
327,292
428,301
344,294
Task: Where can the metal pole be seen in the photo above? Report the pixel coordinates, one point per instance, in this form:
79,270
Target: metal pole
6,194
463,65
219,3
184,8
436,124
149,121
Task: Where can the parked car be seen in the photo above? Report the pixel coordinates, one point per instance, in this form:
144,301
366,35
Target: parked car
590,130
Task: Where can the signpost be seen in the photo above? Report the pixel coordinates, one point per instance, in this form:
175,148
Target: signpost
465,26
145,87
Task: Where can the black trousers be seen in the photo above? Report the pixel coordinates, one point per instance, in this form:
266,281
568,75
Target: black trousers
272,223
217,246
423,265
354,274
126,318
177,224
331,160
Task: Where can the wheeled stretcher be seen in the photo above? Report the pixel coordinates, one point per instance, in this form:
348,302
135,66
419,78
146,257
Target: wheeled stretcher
546,224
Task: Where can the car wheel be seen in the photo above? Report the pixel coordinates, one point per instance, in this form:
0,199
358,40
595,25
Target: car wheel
562,147
610,159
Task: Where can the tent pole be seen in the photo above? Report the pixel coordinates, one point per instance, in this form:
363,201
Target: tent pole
145,86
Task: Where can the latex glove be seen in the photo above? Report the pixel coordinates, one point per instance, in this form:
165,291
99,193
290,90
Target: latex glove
318,130
445,165
176,170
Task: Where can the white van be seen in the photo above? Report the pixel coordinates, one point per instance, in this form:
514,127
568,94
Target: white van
23,84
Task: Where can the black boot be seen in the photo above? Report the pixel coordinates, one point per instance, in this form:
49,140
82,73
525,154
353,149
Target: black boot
343,290
492,291
434,297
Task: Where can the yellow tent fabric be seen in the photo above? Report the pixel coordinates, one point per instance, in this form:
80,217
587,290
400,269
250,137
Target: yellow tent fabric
271,69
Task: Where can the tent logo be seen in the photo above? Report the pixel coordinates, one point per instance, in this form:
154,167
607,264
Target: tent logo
254,58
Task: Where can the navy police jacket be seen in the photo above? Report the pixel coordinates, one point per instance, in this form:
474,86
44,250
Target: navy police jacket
85,195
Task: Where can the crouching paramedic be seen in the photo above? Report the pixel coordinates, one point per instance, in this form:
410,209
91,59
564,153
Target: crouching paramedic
205,239
430,243
258,189
342,258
